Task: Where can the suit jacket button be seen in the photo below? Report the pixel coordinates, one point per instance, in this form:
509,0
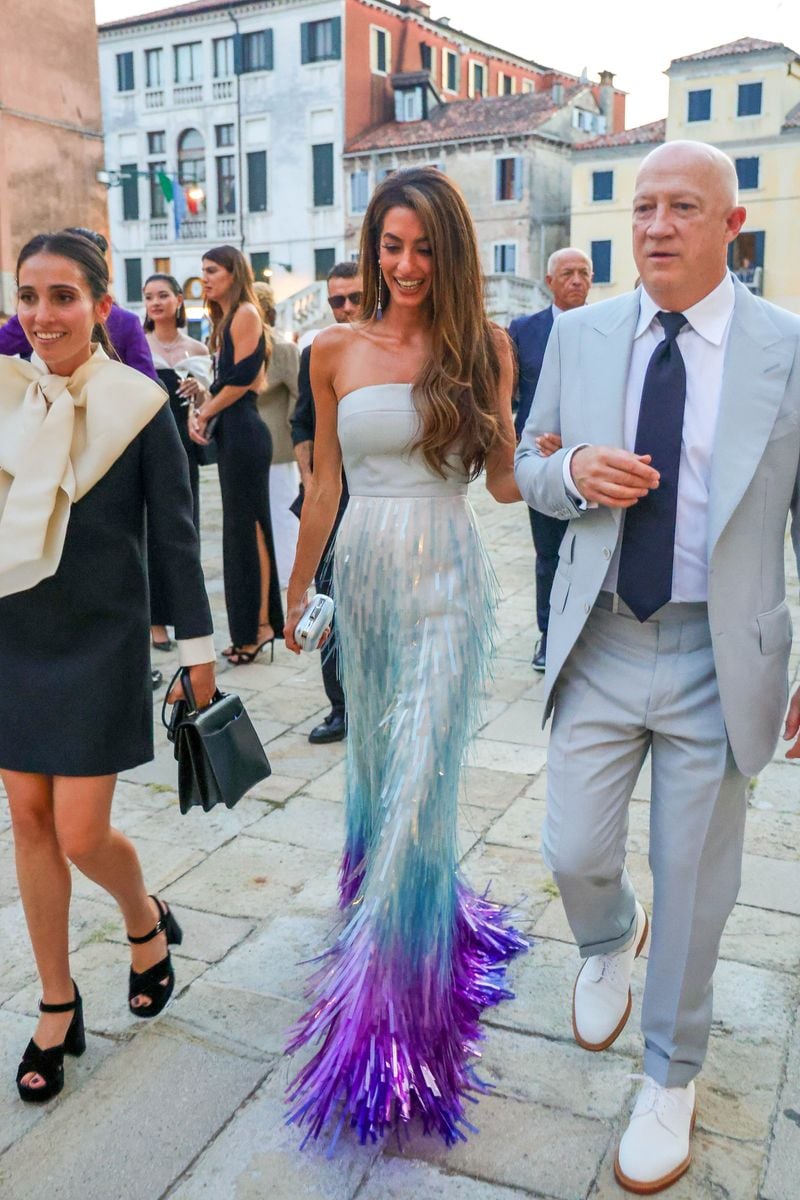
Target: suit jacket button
606,552
587,608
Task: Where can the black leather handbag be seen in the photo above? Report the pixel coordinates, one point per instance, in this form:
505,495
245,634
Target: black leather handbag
217,749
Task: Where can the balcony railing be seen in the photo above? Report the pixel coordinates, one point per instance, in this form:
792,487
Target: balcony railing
191,93
159,231
509,296
154,99
227,227
306,309
222,89
195,228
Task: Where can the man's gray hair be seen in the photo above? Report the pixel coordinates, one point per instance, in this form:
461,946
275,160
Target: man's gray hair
552,261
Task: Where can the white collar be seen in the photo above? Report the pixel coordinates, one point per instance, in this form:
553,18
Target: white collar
709,317
556,310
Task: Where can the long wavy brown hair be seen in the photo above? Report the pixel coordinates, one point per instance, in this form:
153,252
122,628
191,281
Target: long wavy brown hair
455,390
242,291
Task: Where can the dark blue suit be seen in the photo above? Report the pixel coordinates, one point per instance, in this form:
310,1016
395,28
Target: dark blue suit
529,335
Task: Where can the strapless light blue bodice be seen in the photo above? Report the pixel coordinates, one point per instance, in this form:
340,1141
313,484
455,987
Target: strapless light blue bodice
377,426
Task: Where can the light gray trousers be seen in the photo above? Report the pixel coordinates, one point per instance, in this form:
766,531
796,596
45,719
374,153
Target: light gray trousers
628,688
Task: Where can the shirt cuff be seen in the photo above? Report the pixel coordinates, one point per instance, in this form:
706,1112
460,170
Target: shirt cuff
569,483
193,652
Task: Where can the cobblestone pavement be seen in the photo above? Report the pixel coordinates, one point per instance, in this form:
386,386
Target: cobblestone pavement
191,1105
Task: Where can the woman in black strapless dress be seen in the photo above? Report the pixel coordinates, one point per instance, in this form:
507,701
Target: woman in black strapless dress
229,414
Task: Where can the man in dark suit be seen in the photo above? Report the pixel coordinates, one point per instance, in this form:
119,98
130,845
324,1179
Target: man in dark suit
569,277
344,298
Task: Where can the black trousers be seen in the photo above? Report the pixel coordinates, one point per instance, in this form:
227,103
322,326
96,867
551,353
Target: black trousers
547,534
331,680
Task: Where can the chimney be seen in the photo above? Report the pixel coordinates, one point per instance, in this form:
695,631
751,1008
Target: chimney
417,6
443,20
607,97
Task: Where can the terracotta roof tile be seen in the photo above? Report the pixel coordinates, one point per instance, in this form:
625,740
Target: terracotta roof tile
642,135
746,45
459,120
792,118
180,10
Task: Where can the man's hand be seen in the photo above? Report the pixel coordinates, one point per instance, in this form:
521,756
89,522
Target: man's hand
612,477
792,727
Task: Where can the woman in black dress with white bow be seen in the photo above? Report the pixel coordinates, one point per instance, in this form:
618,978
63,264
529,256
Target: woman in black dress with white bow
244,453
87,445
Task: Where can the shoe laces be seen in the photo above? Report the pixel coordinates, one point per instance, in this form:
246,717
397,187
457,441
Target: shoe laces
608,967
666,1104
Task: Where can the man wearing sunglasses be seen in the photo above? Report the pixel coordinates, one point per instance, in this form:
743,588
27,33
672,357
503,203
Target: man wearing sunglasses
344,298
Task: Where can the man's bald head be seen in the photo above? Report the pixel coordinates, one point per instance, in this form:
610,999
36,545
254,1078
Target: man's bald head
707,162
569,277
685,215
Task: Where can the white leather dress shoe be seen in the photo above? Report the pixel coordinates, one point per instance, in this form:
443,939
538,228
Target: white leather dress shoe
601,999
655,1148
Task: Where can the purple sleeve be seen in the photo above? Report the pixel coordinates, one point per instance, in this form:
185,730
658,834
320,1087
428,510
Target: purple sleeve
12,339
127,338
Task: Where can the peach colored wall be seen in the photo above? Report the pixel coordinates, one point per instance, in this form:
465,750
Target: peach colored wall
50,125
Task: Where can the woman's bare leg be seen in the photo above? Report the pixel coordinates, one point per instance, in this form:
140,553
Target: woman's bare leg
45,887
82,811
265,631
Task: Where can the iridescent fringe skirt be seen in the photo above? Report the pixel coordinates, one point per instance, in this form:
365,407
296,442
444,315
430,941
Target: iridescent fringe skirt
395,1003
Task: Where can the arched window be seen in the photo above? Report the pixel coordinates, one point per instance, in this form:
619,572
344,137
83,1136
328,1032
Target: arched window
192,162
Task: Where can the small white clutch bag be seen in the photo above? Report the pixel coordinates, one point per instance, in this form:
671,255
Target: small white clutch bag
314,623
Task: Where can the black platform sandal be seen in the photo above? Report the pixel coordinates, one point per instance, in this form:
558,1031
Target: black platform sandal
151,983
49,1064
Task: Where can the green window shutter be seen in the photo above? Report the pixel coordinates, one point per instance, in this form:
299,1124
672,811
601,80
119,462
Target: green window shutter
130,191
322,157
257,181
336,37
305,43
133,280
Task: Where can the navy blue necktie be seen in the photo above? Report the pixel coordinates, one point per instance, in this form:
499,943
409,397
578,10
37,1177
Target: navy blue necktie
648,538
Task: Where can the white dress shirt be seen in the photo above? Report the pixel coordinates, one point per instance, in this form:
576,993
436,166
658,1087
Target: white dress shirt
702,343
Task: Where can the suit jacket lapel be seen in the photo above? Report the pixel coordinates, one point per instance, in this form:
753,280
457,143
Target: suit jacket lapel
606,345
757,364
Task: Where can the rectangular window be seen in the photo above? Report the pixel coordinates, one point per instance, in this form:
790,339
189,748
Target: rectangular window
359,191
528,86
602,185
505,258
450,71
505,84
600,254
257,181
133,280
158,203
125,72
154,68
747,172
749,100
699,105
259,261
223,135
427,58
130,191
256,51
322,159
188,62
321,40
157,142
223,57
380,55
408,104
508,179
226,183
162,266
323,261
477,79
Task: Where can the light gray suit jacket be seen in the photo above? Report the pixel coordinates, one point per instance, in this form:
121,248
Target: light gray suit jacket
755,483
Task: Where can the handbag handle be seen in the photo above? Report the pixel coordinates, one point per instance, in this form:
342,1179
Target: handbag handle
182,673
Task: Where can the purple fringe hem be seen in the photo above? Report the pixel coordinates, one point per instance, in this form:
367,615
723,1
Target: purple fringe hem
396,1037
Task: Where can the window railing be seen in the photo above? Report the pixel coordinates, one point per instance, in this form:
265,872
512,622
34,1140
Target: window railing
190,93
222,89
154,98
227,227
195,228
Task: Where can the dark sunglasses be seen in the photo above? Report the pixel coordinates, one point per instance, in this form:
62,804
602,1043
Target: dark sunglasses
355,298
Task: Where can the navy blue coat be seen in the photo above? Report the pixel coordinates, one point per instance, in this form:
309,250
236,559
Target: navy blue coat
529,335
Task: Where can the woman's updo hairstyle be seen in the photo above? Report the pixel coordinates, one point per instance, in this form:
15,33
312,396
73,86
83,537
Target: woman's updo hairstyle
87,255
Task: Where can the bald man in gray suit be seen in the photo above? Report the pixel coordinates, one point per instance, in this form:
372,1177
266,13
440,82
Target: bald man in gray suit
678,407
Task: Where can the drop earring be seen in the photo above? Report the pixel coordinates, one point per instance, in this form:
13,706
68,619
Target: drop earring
379,309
